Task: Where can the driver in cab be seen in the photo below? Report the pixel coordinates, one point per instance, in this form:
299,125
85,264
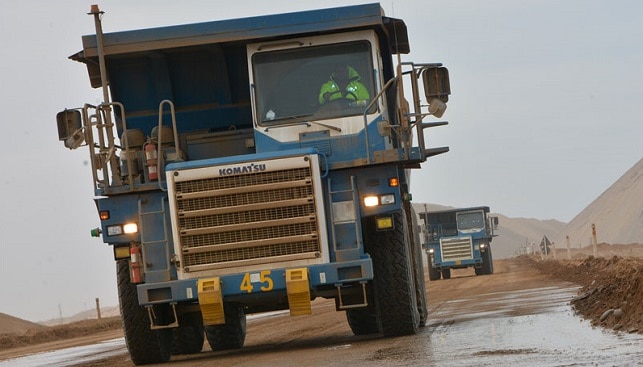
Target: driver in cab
344,84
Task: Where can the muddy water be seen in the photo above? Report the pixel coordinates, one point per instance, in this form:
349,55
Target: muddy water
70,356
534,327
524,327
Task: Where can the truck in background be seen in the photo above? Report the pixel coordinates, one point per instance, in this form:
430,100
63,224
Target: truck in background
459,238
228,184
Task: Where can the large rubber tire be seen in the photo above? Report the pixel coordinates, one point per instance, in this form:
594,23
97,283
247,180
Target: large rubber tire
446,274
394,287
434,274
418,267
189,336
363,321
230,335
487,262
490,262
480,270
145,346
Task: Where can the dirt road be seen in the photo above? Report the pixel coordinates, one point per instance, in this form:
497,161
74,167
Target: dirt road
517,316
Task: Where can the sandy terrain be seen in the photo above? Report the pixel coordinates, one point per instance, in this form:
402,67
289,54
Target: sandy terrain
612,293
608,283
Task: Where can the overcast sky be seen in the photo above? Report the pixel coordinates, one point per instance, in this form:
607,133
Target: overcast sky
544,116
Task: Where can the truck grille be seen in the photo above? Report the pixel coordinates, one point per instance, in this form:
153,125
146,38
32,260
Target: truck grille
457,248
245,219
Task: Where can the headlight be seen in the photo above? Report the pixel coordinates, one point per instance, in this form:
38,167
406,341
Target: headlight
118,229
371,201
430,250
482,246
114,230
130,228
387,199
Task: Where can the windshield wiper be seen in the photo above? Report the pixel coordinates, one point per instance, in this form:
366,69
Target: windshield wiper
326,126
307,123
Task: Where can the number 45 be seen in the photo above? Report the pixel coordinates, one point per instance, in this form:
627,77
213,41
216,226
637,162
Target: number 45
264,279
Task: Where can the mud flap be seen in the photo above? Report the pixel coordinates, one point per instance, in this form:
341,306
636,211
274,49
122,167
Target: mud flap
211,301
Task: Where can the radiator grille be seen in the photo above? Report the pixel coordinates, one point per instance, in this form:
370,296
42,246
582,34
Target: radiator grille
255,217
458,248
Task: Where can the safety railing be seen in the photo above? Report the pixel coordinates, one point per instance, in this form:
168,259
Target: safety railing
118,167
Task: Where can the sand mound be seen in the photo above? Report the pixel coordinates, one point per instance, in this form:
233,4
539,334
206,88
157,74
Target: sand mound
612,289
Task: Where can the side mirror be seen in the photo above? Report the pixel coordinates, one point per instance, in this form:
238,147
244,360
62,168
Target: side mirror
70,128
436,89
436,83
495,222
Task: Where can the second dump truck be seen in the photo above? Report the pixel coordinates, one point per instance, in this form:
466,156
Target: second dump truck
457,239
251,165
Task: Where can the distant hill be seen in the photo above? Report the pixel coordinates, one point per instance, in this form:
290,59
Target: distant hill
514,233
85,315
10,324
617,214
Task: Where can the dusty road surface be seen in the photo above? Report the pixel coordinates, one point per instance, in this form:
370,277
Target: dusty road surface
515,317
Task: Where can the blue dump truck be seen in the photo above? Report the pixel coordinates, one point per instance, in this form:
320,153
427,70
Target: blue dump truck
459,238
252,165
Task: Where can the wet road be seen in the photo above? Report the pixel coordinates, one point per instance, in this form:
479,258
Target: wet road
516,317
70,356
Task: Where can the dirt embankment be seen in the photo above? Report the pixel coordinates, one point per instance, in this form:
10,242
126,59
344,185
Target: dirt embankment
612,289
68,331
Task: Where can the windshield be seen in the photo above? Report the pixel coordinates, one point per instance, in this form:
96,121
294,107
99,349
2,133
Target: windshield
313,83
470,221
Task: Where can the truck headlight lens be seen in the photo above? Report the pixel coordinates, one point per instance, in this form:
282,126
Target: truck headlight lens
130,228
387,199
116,230
370,201
430,250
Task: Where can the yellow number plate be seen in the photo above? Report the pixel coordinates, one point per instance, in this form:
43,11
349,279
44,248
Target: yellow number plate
263,277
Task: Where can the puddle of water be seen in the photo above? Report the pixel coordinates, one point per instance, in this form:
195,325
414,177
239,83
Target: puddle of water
70,356
549,336
84,354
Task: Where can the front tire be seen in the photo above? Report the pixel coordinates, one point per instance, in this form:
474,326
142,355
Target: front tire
363,321
418,267
487,262
230,335
446,274
189,336
395,297
434,274
145,346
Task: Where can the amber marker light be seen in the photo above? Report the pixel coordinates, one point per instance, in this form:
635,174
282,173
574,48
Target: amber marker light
103,214
393,182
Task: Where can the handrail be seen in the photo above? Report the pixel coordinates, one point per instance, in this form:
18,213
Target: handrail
368,107
159,151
